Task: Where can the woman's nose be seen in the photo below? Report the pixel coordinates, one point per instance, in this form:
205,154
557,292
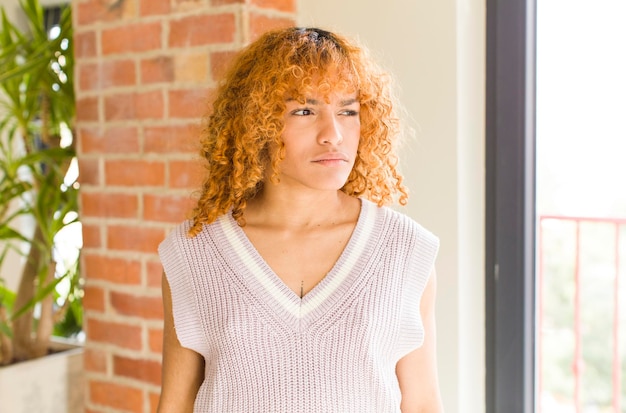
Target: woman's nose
330,131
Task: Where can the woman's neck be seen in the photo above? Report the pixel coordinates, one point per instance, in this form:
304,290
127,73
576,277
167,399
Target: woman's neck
304,210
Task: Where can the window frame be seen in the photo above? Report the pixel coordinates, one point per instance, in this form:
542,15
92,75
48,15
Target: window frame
510,206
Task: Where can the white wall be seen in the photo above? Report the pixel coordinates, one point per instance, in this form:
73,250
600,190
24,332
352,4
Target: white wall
436,49
12,9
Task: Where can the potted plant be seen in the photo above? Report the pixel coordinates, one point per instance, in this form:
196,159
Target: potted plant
38,198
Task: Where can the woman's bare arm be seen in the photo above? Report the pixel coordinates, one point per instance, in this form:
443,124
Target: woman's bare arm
417,371
183,369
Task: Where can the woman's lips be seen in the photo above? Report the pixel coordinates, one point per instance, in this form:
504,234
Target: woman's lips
331,158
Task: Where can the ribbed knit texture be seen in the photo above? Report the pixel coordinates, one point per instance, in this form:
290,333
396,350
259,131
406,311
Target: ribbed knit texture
268,350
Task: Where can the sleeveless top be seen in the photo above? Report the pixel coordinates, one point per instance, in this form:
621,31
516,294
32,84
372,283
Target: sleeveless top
268,350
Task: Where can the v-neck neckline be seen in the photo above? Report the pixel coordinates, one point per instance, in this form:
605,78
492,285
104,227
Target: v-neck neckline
269,288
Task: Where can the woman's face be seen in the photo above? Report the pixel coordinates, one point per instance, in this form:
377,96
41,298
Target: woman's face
321,138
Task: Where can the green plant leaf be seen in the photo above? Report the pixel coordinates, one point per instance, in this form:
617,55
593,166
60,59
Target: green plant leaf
7,297
5,329
40,295
7,233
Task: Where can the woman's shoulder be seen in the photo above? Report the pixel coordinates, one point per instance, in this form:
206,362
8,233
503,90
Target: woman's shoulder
401,224
179,234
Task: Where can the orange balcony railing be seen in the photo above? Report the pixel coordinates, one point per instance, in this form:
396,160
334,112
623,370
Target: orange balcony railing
579,300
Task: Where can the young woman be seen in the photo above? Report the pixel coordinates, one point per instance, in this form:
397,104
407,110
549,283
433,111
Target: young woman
293,288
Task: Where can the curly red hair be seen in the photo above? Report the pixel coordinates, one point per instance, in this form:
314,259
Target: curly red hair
242,135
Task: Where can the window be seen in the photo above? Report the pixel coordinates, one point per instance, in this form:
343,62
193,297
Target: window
510,207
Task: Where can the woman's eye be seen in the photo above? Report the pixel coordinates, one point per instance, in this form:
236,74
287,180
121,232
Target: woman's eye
350,113
302,112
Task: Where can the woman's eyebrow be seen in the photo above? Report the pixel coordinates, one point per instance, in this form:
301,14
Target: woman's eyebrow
348,102
308,101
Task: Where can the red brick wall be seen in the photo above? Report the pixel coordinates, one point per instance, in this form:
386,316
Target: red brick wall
143,71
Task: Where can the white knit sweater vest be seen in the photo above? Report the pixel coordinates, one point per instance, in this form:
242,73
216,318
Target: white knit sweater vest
268,350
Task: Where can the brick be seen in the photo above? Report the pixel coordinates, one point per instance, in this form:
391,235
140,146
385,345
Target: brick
134,173
94,299
134,305
149,105
260,23
109,140
220,62
129,238
167,208
88,76
188,103
139,37
185,174
157,70
154,274
94,360
198,30
118,73
281,5
110,73
129,106
91,236
85,44
103,11
154,7
191,67
89,170
115,270
117,396
128,8
87,109
119,106
155,340
171,139
90,12
118,334
145,370
109,205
